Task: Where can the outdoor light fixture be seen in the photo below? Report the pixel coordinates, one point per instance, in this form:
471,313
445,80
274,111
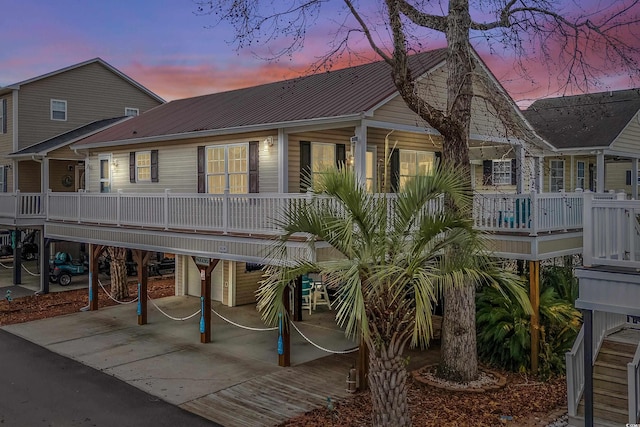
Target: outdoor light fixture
268,142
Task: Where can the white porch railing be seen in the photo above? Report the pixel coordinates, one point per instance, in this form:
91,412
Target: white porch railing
603,324
612,232
258,213
633,382
22,205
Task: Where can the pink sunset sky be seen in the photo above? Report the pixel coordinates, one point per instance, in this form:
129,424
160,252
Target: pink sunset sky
167,47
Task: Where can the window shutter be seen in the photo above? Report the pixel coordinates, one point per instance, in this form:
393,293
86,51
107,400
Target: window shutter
514,169
154,165
628,178
305,166
253,166
487,172
395,171
202,188
341,155
4,116
132,167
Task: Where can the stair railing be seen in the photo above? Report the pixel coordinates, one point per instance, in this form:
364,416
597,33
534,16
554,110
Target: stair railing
633,382
603,324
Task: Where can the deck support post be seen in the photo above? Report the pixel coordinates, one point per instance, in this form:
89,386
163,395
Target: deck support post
297,300
587,322
284,332
141,258
205,300
17,256
362,366
534,297
45,251
95,251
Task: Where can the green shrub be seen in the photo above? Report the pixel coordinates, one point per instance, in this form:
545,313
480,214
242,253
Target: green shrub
504,334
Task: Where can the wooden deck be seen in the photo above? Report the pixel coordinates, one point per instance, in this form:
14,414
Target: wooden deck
272,399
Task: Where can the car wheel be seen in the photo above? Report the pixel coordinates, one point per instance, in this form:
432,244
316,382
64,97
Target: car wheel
64,279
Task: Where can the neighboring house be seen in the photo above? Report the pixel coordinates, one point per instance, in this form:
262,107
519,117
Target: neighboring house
39,109
39,118
598,135
595,135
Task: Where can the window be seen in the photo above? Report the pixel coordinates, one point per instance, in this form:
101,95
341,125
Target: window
371,170
58,110
228,165
130,111
4,170
556,175
143,166
501,173
105,174
415,163
3,115
580,177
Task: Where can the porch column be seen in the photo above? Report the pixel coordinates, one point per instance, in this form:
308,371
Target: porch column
284,333
205,300
634,178
94,253
44,251
141,258
283,161
520,168
587,324
17,256
540,174
600,172
359,152
534,297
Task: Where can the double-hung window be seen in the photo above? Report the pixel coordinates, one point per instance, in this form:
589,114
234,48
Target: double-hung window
323,158
228,165
3,179
143,166
415,163
3,115
105,173
580,174
556,175
58,109
501,172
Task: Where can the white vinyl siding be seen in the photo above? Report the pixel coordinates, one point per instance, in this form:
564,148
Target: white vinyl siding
59,110
228,165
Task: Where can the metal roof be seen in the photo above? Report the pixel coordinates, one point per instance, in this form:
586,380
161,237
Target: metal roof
44,147
332,94
584,121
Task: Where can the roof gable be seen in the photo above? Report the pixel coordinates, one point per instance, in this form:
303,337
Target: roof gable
584,121
99,61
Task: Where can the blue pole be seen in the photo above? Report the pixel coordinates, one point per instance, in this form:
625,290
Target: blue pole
139,300
90,287
280,341
202,315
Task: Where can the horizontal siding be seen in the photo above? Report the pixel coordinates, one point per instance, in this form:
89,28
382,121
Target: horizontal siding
92,92
29,176
629,138
246,284
6,139
177,165
396,111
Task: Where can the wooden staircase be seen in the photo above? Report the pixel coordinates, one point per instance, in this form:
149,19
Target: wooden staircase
610,389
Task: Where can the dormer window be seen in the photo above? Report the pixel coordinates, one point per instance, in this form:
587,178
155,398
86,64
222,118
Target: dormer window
58,109
130,111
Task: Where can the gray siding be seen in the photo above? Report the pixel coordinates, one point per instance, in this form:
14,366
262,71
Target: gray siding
629,139
6,139
92,92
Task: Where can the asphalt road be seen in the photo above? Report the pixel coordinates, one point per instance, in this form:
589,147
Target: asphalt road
41,388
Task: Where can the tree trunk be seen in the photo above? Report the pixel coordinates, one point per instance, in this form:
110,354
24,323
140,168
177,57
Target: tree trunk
388,385
118,267
459,356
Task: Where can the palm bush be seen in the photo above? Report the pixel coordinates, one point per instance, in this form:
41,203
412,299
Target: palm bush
504,329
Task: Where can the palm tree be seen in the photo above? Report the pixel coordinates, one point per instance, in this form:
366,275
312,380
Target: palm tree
391,271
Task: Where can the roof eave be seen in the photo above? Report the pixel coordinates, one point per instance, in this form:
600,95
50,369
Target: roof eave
216,132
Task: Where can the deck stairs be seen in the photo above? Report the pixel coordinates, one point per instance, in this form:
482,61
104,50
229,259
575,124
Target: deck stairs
610,380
